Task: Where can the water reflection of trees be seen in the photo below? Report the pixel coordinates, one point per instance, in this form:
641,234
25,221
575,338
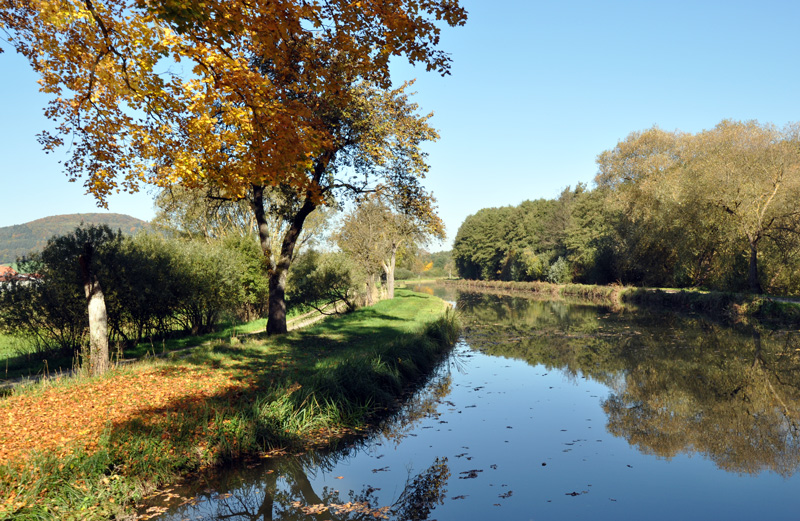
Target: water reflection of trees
482,311
680,384
419,406
283,489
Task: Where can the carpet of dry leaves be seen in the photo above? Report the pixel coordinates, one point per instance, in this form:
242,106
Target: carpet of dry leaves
60,418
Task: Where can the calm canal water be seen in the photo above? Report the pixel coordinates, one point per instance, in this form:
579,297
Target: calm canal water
558,410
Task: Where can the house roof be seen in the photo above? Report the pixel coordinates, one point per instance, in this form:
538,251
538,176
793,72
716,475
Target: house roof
7,273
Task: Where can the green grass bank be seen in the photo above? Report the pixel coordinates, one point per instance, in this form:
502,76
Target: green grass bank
309,388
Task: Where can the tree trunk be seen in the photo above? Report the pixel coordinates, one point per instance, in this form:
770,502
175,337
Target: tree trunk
279,268
371,290
276,312
388,268
98,320
752,277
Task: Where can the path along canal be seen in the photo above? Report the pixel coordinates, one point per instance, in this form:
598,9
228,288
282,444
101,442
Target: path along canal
558,410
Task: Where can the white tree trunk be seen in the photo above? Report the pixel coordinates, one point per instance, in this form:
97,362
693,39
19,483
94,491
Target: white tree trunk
388,268
98,319
98,329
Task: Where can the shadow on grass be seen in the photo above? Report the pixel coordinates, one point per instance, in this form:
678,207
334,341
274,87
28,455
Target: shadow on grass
35,366
294,388
326,344
308,388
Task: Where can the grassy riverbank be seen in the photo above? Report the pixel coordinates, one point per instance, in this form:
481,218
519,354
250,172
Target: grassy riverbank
734,306
610,294
88,448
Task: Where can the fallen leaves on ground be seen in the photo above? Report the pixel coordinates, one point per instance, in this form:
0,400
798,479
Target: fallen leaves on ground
62,418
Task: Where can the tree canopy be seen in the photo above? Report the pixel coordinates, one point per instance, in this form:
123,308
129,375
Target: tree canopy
697,203
288,96
168,92
375,232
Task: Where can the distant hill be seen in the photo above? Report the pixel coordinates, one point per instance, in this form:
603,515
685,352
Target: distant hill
21,239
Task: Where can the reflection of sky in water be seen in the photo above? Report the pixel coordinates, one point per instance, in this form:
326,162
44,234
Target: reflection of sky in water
527,441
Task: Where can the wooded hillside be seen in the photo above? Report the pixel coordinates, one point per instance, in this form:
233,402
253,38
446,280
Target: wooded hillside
21,239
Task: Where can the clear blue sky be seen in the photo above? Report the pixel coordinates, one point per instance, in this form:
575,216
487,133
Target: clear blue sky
537,91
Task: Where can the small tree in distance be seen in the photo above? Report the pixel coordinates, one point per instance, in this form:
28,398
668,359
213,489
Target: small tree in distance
68,293
374,232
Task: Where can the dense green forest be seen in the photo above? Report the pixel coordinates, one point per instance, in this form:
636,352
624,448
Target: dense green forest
21,239
717,210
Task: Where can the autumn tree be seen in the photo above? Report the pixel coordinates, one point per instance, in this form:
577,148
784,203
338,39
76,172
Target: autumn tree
638,179
250,97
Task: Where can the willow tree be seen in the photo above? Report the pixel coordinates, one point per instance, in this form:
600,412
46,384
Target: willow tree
689,200
644,190
751,173
250,96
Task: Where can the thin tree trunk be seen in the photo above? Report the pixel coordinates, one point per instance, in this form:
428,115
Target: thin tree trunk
388,268
752,277
98,319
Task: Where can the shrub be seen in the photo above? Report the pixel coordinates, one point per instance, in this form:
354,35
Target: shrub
317,279
150,285
51,309
559,272
404,274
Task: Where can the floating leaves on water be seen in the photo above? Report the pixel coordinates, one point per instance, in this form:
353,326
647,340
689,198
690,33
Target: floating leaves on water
354,507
